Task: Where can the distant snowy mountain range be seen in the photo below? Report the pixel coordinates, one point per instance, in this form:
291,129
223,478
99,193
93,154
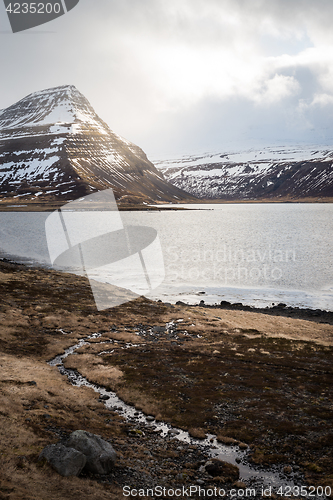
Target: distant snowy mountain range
54,146
268,173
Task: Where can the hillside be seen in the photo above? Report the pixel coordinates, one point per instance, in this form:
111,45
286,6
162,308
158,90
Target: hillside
269,173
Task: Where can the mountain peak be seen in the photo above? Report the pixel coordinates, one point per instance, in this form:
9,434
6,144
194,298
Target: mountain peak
53,90
63,106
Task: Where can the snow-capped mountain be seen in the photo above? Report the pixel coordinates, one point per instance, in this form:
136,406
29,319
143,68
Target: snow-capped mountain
54,146
272,172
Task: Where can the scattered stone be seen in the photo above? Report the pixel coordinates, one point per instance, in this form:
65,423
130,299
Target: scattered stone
32,382
150,418
104,397
159,329
101,456
200,482
181,476
66,461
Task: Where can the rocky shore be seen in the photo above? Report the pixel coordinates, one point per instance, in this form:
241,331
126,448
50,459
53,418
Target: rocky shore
259,381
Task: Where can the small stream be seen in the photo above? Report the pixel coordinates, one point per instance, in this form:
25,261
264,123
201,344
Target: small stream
231,454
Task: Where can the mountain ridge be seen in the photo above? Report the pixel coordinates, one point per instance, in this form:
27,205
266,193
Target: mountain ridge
271,173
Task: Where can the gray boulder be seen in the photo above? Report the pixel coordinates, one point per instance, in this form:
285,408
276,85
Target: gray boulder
100,455
66,461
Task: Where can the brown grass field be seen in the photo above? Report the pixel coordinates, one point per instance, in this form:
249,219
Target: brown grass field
262,382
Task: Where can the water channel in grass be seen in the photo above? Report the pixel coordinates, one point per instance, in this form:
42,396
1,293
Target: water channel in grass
232,454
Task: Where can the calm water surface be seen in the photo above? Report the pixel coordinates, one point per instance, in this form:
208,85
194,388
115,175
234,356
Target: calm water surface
257,254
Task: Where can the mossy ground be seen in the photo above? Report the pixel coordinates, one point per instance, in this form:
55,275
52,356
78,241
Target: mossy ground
273,394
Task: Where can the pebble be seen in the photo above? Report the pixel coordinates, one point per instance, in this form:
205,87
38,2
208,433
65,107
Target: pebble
104,397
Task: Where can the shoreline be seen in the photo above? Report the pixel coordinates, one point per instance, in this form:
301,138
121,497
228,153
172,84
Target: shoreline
263,381
33,206
281,309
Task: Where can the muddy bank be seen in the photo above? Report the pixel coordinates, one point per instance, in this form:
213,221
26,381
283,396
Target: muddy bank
261,381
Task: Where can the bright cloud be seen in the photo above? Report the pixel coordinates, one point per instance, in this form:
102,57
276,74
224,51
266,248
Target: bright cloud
187,71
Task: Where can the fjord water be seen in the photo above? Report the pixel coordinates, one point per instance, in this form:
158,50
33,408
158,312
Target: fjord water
257,254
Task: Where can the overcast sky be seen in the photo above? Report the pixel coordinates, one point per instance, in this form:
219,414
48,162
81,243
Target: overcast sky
182,76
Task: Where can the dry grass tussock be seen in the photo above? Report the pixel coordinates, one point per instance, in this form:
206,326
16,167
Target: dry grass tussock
90,367
141,400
